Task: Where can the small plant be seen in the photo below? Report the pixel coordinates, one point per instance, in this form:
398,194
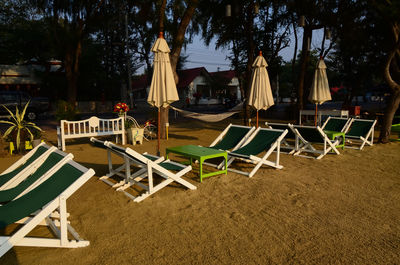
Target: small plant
19,129
128,124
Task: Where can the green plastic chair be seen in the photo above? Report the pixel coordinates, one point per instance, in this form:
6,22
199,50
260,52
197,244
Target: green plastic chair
262,140
361,132
42,201
24,166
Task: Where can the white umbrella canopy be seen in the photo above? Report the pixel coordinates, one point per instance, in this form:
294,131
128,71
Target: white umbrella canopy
320,91
162,89
260,92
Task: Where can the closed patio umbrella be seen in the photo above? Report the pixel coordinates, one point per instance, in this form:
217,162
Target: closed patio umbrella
162,89
260,91
319,92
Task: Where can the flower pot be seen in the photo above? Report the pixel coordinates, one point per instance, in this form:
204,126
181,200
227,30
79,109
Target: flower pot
135,135
36,142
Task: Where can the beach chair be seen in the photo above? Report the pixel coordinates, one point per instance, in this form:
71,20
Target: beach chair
360,132
232,137
288,144
54,161
169,170
147,164
262,140
25,166
43,201
310,137
337,124
124,170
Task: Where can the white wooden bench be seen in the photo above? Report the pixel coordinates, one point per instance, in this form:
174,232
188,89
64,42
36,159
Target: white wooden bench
89,128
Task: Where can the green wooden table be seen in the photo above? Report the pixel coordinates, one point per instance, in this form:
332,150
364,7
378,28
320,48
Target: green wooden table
333,135
199,153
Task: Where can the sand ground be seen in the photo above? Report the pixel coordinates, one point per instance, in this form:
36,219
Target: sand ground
343,209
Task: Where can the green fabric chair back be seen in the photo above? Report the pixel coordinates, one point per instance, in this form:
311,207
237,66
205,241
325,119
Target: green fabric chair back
335,125
310,134
290,133
40,196
360,128
10,194
232,137
261,142
6,177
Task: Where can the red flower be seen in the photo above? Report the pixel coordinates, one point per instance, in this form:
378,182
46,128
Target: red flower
121,108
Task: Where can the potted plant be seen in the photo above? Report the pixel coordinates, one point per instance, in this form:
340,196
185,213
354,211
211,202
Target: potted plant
20,130
37,137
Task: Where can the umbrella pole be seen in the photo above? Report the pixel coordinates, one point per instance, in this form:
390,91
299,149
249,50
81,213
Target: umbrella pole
158,132
316,111
257,120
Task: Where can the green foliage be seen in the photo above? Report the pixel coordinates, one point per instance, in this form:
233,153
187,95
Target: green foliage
66,111
128,124
19,129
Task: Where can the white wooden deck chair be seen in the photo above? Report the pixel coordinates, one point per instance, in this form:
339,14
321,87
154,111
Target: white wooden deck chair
124,170
43,200
169,170
25,166
360,132
262,140
53,162
311,136
337,124
288,144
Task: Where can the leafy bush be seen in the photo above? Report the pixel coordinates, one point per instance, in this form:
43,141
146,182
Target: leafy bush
66,111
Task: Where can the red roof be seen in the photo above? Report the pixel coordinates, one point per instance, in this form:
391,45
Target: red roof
140,82
188,75
229,74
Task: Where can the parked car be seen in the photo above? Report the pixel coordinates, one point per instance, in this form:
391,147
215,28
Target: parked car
10,99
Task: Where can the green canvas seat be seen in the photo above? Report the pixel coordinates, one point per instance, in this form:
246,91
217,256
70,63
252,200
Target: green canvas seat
360,132
308,136
42,201
337,124
24,166
288,144
232,137
262,140
52,162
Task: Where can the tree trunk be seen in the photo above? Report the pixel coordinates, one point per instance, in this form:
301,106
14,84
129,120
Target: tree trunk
393,104
72,72
161,15
303,67
250,58
390,110
177,44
